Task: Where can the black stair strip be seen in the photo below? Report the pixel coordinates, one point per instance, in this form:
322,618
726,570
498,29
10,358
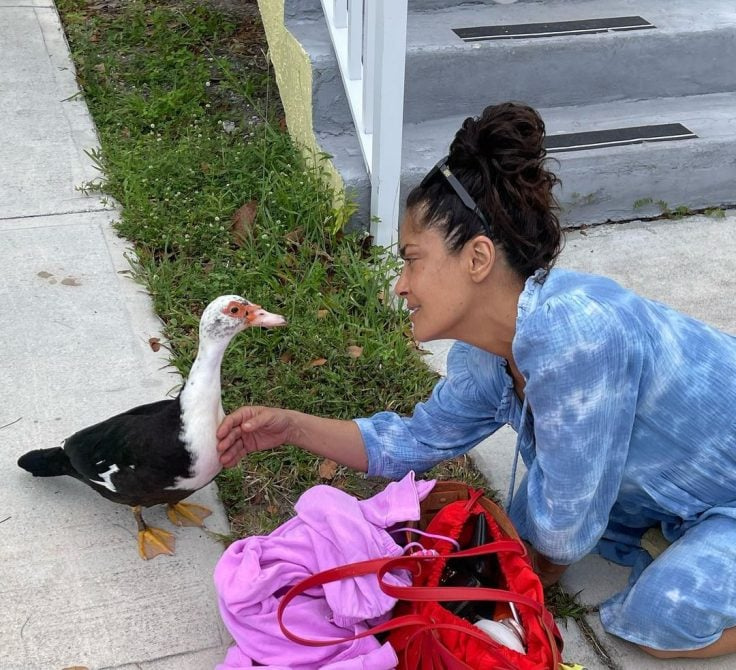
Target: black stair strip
553,29
600,139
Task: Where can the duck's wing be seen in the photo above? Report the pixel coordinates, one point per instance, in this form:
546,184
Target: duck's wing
136,449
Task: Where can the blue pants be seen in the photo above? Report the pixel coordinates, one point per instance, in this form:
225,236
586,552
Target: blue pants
682,600
686,597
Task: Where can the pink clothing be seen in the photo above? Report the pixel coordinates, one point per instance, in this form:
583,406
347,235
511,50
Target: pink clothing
331,528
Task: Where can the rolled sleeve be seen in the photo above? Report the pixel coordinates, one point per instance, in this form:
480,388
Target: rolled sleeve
583,369
461,411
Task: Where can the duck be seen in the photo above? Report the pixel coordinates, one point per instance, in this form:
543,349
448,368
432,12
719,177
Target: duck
160,452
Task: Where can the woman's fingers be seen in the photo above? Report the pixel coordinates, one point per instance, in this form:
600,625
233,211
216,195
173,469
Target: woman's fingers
233,420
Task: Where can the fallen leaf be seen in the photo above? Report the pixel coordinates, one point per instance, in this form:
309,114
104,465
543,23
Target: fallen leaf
354,351
125,132
273,510
327,469
317,362
322,313
205,167
382,297
296,236
243,222
154,343
286,357
282,124
100,67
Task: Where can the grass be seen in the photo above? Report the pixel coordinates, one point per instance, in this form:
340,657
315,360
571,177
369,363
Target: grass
216,199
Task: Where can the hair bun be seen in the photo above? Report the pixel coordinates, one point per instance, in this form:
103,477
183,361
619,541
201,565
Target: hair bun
505,137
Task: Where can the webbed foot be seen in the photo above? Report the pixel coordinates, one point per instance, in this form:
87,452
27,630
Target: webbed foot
187,514
152,541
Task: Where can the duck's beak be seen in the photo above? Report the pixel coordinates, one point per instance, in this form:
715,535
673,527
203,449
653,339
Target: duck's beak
257,316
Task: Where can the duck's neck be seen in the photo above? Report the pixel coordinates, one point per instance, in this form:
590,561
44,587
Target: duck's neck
202,392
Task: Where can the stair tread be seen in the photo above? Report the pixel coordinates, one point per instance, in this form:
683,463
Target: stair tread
434,28
709,116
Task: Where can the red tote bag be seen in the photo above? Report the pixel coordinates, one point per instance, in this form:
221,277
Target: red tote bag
424,632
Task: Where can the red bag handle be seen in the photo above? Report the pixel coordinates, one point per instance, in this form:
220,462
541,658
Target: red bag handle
454,593
424,649
430,648
380,566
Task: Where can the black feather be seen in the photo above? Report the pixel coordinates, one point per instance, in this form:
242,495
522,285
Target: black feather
144,446
47,463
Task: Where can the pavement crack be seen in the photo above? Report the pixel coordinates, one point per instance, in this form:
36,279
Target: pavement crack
598,647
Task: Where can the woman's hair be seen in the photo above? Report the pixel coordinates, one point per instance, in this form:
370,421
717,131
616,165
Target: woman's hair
499,158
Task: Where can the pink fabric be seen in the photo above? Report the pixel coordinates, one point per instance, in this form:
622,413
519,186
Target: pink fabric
330,528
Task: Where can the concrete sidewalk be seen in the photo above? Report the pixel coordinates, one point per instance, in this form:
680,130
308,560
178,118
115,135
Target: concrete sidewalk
691,265
74,333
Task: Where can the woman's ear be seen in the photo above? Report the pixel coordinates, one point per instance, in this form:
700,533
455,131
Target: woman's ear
481,257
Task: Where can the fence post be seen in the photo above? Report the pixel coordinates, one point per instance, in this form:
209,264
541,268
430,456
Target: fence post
388,118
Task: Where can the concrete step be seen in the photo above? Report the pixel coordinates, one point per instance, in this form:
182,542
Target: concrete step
310,9
687,52
598,184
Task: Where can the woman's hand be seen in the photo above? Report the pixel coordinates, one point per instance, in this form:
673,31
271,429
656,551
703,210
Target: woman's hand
250,429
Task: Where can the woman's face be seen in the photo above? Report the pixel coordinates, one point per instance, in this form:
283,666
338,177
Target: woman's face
434,283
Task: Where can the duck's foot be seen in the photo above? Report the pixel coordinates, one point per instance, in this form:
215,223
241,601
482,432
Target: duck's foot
155,541
152,541
187,514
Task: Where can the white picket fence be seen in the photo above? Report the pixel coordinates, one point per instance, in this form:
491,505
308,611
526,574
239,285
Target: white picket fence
369,39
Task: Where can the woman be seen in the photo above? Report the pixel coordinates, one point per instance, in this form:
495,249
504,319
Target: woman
624,407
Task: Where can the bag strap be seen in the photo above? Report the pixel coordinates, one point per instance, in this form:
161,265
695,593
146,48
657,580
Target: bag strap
454,593
425,650
380,566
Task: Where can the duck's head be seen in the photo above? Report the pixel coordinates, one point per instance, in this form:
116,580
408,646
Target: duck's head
227,315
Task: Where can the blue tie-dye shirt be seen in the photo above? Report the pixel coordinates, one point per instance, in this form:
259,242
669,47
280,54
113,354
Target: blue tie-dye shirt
630,409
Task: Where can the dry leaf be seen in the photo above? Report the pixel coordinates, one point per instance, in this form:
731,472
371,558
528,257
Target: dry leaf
322,313
317,362
205,167
243,222
273,510
154,343
296,236
354,351
382,297
100,67
286,357
327,469
282,124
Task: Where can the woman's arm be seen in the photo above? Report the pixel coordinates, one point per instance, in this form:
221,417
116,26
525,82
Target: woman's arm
460,413
583,363
253,428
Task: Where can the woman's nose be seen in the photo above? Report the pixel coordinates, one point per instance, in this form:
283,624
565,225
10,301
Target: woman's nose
400,288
